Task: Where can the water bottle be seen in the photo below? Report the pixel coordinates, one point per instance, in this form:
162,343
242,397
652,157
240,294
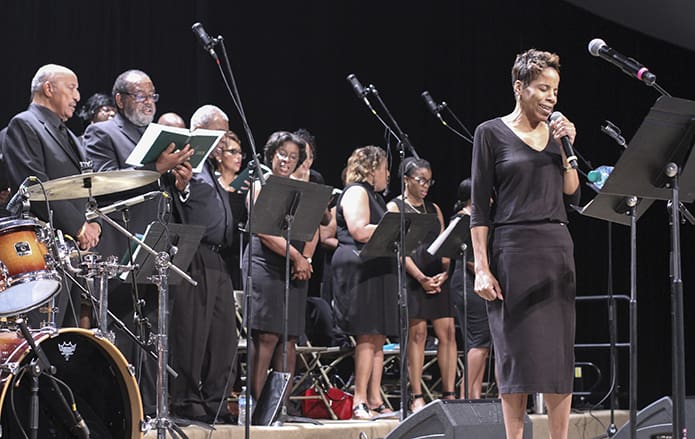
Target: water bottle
243,406
599,175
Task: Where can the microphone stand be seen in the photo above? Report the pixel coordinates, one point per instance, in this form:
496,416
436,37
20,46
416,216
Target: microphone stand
403,144
258,174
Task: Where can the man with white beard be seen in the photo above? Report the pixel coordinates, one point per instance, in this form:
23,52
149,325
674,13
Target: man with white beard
108,145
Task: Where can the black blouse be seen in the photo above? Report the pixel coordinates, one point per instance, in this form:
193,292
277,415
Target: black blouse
526,184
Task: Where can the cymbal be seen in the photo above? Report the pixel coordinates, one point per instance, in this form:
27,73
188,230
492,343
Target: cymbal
102,183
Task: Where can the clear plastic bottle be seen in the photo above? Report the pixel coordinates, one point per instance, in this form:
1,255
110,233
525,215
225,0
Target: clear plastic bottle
599,176
243,406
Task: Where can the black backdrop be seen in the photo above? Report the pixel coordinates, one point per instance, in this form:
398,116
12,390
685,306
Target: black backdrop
291,60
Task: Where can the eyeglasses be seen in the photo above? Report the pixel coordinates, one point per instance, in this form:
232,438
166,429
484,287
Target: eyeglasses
283,155
423,181
234,151
140,98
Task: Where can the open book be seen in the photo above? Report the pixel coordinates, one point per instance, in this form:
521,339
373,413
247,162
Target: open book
158,137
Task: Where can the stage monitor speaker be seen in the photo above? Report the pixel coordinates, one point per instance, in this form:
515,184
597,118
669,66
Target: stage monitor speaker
457,419
656,420
269,404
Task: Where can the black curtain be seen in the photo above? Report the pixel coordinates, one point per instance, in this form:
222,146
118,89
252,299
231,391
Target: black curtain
291,60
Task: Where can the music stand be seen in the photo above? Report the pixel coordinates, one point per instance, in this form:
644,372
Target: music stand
653,166
453,243
625,210
385,242
186,238
277,206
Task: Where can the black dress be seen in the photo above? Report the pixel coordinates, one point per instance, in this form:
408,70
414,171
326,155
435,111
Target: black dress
420,304
365,294
531,255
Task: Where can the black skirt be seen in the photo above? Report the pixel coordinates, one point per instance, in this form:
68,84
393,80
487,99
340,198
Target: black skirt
533,327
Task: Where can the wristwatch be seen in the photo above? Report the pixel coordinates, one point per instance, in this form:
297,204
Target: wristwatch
308,259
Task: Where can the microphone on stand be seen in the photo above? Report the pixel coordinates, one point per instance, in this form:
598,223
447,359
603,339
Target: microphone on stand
207,41
360,90
434,108
631,66
612,130
19,203
122,205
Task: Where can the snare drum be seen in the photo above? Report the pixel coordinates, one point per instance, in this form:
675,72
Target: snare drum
105,389
25,279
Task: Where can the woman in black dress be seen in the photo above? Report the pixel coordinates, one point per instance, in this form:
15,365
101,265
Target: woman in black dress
529,278
477,332
229,157
365,292
283,153
428,290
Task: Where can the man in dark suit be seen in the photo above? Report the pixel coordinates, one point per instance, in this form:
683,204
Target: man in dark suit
39,144
203,325
108,145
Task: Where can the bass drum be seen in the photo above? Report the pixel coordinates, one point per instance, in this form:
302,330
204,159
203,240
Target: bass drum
103,385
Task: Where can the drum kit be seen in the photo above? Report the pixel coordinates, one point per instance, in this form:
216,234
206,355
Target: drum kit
36,261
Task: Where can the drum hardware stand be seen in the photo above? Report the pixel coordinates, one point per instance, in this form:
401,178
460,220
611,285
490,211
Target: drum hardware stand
40,365
119,324
162,260
101,272
142,323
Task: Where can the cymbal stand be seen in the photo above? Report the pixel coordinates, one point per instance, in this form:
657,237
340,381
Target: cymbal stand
162,261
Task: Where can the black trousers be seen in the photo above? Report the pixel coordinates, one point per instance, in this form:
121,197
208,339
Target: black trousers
203,337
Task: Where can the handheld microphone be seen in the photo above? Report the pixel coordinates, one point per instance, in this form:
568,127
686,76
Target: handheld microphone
566,145
359,89
632,67
207,42
121,205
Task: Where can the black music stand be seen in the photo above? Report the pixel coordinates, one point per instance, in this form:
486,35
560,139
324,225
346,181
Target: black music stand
277,206
385,242
185,237
453,243
653,166
625,210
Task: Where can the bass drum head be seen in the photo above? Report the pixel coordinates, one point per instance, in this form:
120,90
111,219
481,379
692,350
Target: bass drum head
104,388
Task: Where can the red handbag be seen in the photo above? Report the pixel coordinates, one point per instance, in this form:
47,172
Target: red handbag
340,402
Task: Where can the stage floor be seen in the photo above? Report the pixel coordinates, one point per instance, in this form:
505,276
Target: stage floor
584,425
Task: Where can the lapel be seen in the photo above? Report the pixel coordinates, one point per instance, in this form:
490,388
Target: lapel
128,129
52,131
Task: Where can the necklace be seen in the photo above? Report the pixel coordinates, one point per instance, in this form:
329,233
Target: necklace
419,209
224,184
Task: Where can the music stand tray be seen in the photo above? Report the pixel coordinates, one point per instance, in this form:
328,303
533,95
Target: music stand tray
666,135
282,196
382,243
613,208
451,242
184,236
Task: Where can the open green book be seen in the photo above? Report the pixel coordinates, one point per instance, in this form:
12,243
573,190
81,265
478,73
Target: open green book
158,137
